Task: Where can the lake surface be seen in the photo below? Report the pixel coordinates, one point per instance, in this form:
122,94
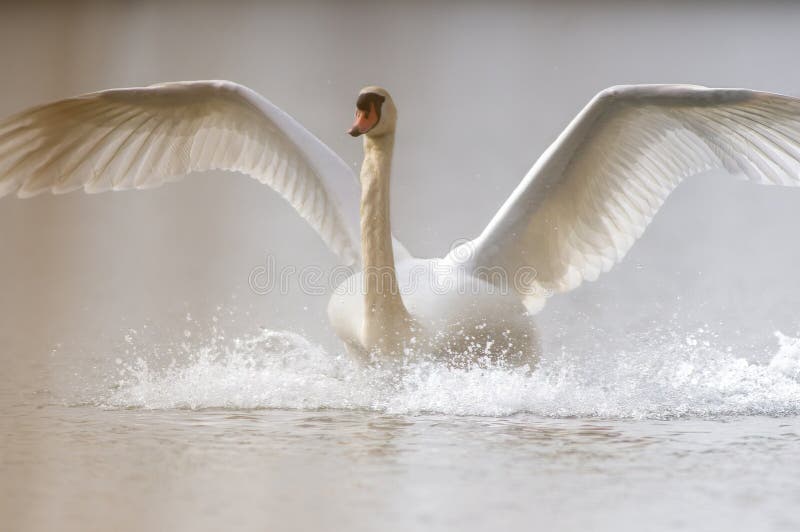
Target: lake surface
271,432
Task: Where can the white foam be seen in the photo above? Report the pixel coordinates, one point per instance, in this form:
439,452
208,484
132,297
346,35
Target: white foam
284,370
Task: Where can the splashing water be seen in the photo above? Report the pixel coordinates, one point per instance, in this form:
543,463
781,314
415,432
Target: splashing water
678,377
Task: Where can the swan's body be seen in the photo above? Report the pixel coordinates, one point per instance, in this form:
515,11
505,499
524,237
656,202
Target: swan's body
573,216
455,315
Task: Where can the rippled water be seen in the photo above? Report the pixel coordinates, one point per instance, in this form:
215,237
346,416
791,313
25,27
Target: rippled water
271,432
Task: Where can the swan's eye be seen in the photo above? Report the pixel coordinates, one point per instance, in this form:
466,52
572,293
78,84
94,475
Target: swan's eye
370,101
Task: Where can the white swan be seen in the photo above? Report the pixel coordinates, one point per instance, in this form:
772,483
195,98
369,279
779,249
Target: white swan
573,216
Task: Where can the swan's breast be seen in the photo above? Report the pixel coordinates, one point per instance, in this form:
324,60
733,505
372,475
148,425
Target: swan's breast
455,312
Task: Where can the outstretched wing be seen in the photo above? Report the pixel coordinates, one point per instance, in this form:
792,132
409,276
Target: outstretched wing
594,191
144,137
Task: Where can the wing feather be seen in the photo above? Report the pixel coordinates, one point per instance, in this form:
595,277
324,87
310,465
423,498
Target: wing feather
594,191
141,138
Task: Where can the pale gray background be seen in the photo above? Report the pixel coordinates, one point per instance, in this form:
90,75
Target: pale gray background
482,89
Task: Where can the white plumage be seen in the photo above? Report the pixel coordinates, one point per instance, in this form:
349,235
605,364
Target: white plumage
595,189
141,138
574,215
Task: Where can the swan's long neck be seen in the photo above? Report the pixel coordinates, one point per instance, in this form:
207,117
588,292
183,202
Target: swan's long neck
385,312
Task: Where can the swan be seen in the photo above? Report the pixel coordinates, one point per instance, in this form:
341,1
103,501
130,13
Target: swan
574,215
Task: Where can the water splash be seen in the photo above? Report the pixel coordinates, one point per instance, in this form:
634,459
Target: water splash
670,377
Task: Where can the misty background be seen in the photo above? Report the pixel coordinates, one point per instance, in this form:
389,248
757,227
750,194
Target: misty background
481,88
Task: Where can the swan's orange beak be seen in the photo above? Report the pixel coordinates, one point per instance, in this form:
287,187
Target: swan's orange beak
365,120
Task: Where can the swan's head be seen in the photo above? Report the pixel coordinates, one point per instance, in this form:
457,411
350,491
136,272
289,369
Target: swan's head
376,114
